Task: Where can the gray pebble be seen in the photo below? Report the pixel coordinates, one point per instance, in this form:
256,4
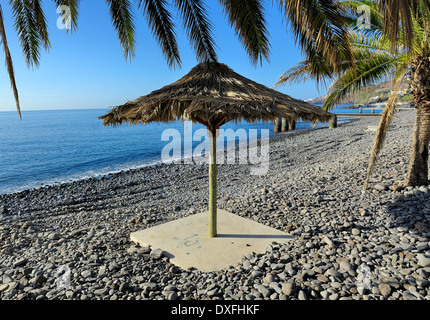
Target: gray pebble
20,262
423,260
156,254
269,278
288,288
302,295
381,187
39,279
53,236
408,296
263,290
334,296
257,273
385,289
86,273
172,295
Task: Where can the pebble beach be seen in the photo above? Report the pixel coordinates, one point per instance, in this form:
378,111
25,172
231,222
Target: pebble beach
348,244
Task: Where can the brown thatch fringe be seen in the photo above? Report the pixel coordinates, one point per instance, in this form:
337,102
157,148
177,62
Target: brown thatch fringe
386,119
213,93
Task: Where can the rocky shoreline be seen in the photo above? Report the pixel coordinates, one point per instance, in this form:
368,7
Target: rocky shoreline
348,245
380,105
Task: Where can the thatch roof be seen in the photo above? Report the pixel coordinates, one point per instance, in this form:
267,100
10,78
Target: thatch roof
213,94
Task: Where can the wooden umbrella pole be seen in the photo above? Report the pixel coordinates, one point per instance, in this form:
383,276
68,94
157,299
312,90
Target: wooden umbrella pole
212,184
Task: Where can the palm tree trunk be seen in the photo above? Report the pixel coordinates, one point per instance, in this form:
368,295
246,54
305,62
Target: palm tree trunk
212,185
418,165
420,85
9,64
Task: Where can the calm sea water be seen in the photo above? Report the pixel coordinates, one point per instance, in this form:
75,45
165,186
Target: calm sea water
51,147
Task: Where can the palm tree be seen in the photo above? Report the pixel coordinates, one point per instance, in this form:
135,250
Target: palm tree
384,52
30,25
316,25
9,63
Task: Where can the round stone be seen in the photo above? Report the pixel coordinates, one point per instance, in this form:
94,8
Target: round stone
385,289
355,231
156,254
288,288
53,236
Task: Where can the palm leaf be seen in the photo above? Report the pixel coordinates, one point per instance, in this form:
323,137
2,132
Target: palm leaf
386,119
198,27
41,23
305,70
122,19
371,65
319,27
160,21
248,20
300,72
398,21
369,69
26,24
424,11
9,64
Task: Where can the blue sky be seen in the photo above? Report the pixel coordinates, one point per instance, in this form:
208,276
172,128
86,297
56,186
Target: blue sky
87,69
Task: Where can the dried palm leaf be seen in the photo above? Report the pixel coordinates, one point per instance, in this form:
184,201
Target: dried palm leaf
212,93
386,119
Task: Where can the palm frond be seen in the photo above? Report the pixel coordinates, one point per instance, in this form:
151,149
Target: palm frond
402,69
248,20
122,19
369,42
398,21
9,64
199,28
300,72
369,69
319,67
160,21
306,70
319,27
424,13
31,35
41,23
386,119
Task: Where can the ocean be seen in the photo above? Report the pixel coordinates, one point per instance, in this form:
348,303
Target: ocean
57,146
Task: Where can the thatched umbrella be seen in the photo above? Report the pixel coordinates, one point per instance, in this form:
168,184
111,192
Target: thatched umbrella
213,94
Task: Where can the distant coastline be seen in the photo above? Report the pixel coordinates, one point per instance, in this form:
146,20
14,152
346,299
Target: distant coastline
377,105
372,96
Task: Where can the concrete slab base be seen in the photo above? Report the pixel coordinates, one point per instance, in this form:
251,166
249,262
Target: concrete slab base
186,242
